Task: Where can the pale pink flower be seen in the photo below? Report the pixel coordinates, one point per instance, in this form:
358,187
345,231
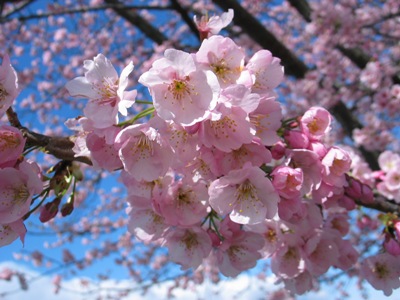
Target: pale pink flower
8,85
321,252
227,130
223,57
266,119
11,145
348,256
240,96
246,194
184,203
105,91
187,247
335,164
144,222
210,26
255,153
300,284
296,139
143,152
239,250
316,122
392,180
287,181
310,164
271,231
267,70
11,231
286,261
382,271
102,151
17,186
181,92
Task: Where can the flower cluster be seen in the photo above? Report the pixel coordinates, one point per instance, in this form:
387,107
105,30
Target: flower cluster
216,174
19,178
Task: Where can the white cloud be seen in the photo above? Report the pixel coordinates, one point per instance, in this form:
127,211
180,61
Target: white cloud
242,287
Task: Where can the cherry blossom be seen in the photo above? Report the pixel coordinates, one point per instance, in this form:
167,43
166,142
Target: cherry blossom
105,91
382,271
11,145
245,194
181,91
213,25
8,84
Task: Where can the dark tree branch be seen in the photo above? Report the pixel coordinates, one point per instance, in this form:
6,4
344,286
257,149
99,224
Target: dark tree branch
249,24
303,8
185,17
59,147
135,19
381,204
116,5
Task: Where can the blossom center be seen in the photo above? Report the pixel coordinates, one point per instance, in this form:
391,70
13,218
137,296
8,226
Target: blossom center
8,140
16,195
184,197
190,240
108,91
246,192
180,88
313,126
381,270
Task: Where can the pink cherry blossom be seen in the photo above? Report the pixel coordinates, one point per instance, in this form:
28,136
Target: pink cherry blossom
227,130
185,203
8,85
11,231
188,247
266,119
336,163
11,145
246,194
181,92
267,70
17,186
102,151
105,91
223,57
321,252
143,152
287,181
210,26
382,271
255,153
315,122
144,222
300,284
239,250
287,261
389,161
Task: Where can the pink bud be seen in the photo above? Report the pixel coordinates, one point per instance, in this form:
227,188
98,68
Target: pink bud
49,210
296,139
278,150
67,209
392,246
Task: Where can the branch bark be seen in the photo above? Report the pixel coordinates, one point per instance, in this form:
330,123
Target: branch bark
136,20
59,147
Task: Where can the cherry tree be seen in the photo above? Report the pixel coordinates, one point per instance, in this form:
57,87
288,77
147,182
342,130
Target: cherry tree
241,133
